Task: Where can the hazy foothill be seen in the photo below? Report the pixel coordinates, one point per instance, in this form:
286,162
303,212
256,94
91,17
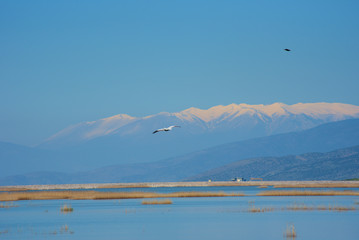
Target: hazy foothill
277,142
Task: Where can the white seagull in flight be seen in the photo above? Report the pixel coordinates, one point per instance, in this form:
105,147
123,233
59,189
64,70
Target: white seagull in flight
165,129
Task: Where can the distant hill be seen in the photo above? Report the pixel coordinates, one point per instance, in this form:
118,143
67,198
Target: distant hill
324,138
336,165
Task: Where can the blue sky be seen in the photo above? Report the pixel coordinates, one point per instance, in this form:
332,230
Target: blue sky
64,62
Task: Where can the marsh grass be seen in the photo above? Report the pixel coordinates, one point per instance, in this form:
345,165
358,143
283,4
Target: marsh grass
8,205
96,195
307,193
156,202
277,184
290,232
4,231
254,209
13,189
65,229
340,208
300,207
66,209
303,207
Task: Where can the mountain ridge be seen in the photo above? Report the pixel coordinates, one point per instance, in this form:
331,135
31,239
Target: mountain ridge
215,119
122,139
339,164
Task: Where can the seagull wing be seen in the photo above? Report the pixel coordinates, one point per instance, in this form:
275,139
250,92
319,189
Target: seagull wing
159,130
164,129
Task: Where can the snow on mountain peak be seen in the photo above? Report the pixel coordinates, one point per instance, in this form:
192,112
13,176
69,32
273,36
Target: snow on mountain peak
118,117
108,125
89,130
230,110
315,110
211,117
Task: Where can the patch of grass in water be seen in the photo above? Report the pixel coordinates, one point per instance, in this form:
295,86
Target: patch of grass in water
77,195
156,202
8,205
290,232
66,209
303,207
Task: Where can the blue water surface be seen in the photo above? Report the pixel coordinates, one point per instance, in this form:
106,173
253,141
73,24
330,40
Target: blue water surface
186,218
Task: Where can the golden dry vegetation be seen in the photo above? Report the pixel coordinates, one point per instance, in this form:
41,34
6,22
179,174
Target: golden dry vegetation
8,205
254,209
66,209
276,184
96,195
290,232
156,202
303,207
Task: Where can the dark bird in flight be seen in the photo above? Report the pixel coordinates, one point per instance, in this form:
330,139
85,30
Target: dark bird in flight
286,49
165,129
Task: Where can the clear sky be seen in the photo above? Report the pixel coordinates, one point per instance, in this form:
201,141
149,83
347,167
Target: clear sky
64,62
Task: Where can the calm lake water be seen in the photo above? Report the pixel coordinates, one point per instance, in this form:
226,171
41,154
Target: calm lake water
186,218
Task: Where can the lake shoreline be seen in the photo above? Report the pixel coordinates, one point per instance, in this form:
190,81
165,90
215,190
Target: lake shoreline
263,184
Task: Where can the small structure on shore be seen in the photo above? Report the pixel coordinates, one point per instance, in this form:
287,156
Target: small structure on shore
238,179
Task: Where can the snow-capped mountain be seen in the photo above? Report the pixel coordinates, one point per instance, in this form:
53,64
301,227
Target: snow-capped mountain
234,122
122,139
125,139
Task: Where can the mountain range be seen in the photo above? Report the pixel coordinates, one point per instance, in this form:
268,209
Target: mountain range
267,154
248,120
123,139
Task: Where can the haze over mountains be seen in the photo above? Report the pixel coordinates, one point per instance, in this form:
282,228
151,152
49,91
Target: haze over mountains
340,164
245,155
128,142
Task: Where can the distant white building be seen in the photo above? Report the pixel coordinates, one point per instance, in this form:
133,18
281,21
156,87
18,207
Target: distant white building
238,179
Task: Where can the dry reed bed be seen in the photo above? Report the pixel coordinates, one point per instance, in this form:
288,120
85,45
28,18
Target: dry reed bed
8,205
319,208
156,202
290,232
278,184
308,193
95,195
254,209
66,209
